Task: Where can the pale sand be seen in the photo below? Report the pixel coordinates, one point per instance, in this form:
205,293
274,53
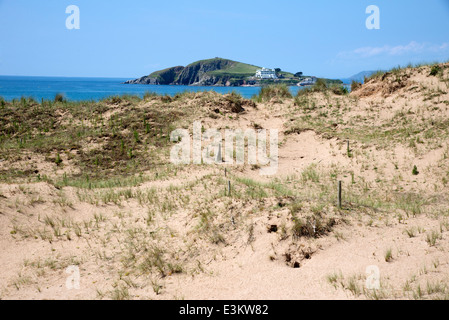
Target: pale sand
251,264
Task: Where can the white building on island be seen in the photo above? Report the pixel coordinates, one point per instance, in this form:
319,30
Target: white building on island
265,73
308,82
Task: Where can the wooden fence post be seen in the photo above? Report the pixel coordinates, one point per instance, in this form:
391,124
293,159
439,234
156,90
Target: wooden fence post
339,195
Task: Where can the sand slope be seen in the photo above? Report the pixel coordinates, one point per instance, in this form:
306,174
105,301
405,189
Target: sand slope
174,233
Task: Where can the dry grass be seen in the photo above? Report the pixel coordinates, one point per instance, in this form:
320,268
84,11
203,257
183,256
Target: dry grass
95,180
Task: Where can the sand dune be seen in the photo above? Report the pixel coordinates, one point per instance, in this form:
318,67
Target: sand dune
97,191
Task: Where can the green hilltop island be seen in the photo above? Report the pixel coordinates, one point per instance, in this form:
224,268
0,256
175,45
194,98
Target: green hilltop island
224,72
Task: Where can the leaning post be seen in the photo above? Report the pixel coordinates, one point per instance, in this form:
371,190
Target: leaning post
339,194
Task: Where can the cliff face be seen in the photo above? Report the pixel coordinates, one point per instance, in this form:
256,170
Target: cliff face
167,76
201,73
198,73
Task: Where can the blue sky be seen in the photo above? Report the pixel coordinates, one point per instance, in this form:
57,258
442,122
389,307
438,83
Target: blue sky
326,38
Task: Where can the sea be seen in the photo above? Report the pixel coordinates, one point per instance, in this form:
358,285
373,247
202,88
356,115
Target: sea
77,89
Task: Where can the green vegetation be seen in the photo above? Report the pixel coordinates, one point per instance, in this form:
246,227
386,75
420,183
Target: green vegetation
388,255
109,159
218,71
236,68
324,85
432,238
118,137
326,117
355,85
59,98
223,72
267,93
435,70
63,130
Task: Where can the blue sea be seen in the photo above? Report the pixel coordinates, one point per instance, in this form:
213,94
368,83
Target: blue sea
76,89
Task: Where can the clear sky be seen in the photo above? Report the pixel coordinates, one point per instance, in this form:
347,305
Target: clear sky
326,38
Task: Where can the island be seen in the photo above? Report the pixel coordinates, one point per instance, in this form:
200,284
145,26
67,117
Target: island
222,72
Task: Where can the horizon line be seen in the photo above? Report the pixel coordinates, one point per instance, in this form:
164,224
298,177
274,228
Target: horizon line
80,77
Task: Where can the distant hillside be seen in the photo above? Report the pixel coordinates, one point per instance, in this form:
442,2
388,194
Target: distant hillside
210,72
214,72
360,77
